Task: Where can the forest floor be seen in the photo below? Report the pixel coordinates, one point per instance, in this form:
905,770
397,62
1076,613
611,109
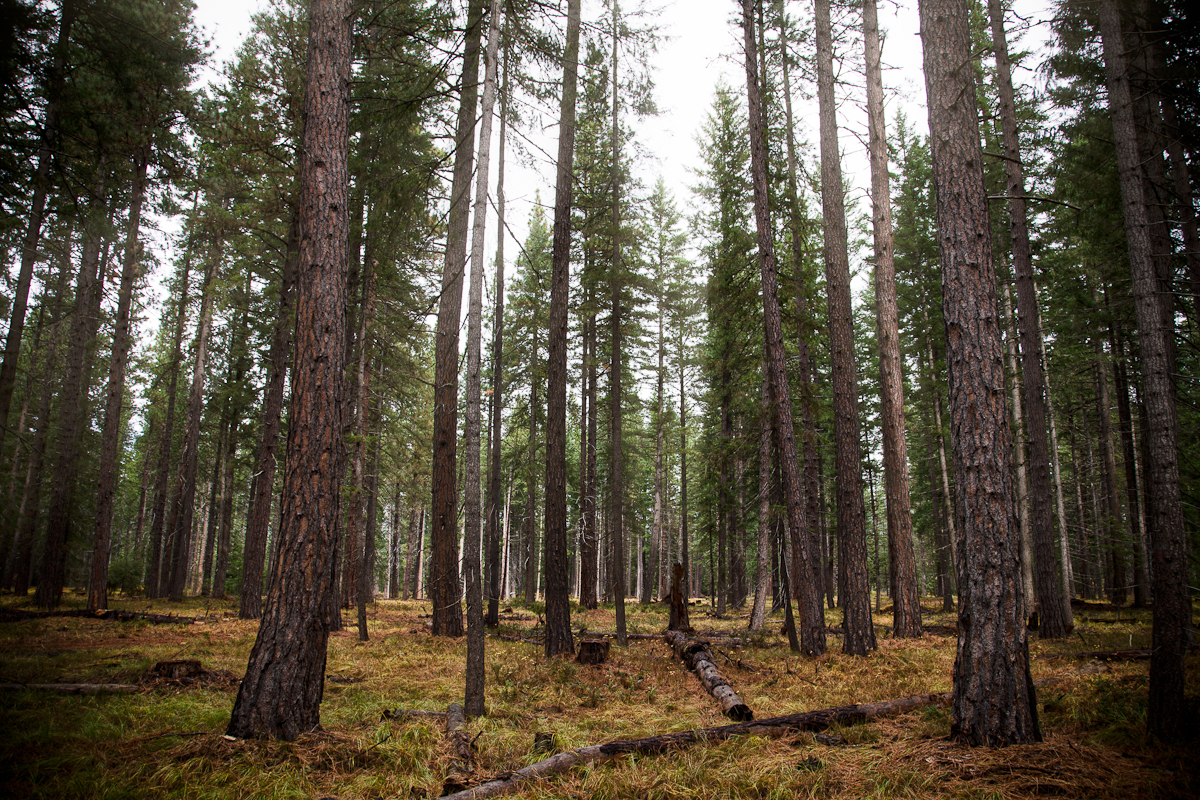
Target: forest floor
163,737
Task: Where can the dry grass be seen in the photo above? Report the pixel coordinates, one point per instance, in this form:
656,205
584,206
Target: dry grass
166,741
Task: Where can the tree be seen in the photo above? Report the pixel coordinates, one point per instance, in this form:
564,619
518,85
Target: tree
851,513
558,640
812,629
994,700
471,430
444,585
1054,613
906,601
1166,717
280,695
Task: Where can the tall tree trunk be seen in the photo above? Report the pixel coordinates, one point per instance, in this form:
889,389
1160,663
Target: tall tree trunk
1129,451
19,565
37,208
1053,623
762,584
1021,473
492,534
71,419
1114,547
115,395
616,469
1167,718
994,699
212,520
558,640
851,516
1067,575
812,627
444,585
902,569
263,489
472,429
184,506
280,696
798,223
590,546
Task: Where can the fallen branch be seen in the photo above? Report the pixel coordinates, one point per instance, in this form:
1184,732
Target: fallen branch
73,688
699,659
401,714
111,615
456,721
1114,655
774,728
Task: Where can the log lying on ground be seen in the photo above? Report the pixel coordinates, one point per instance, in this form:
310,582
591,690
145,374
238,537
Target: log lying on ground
402,714
774,728
111,615
699,659
456,721
1113,655
73,688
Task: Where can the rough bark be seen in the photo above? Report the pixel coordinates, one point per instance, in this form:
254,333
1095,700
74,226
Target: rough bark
699,659
902,569
851,514
994,700
558,606
812,629
280,695
1167,717
1021,472
443,574
263,489
762,585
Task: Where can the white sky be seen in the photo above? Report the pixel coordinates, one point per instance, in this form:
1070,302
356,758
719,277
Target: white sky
699,46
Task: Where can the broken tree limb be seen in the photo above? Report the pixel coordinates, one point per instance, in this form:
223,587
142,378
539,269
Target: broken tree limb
699,659
774,728
110,615
402,714
73,688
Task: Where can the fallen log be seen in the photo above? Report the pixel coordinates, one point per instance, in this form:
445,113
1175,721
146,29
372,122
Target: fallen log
402,714
73,688
456,721
699,659
110,615
1114,655
774,728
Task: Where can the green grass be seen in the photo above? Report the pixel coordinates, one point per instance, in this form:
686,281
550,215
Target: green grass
167,740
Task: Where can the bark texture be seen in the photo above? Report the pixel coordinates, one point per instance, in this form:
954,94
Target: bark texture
994,700
280,695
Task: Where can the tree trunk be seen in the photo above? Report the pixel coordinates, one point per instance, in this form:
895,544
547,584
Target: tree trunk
86,318
472,429
762,585
1053,622
1167,717
444,585
280,695
183,508
851,516
812,630
558,607
906,601
616,468
1114,545
589,547
1067,574
263,489
1129,451
1021,473
115,395
492,534
994,699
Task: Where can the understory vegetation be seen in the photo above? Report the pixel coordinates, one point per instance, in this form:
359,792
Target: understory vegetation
166,738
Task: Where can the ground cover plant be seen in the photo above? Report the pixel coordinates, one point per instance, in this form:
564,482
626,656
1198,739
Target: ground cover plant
166,737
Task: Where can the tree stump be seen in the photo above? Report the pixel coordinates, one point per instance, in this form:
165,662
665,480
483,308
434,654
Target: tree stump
593,651
177,670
